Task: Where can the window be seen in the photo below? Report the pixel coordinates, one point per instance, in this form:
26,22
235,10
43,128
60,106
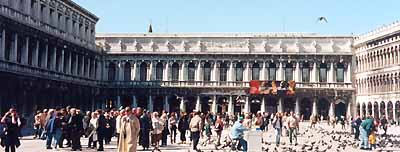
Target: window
340,73
42,13
127,71
289,72
143,72
73,30
272,71
59,24
239,71
223,70
322,72
191,72
175,72
66,23
159,71
305,72
255,72
207,72
51,21
111,72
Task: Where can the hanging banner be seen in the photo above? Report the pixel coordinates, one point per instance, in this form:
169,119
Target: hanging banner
272,87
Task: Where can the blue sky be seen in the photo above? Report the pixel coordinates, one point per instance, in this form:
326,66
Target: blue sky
344,16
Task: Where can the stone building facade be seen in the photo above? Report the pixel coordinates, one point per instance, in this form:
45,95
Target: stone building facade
48,55
378,72
211,71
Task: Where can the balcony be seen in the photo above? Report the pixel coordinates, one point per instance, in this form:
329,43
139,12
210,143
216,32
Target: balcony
28,70
217,84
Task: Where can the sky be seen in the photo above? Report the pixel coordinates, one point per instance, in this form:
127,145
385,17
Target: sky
345,17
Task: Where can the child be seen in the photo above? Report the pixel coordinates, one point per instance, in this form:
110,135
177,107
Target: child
372,140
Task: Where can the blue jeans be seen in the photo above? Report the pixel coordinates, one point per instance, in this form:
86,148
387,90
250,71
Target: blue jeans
244,144
278,133
363,138
49,138
57,136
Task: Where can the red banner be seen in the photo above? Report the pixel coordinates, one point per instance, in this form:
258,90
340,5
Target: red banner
272,87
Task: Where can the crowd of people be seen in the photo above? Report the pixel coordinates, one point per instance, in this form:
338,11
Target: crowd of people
133,127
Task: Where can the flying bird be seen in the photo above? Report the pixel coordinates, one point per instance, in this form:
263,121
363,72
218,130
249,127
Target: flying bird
322,19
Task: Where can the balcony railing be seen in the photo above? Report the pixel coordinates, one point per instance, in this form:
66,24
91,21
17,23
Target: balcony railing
216,84
27,70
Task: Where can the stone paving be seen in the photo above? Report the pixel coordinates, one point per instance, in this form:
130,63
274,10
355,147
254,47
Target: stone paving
322,138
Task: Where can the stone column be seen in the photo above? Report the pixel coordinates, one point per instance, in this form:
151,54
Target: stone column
182,105
231,107
134,102
25,52
182,71
69,63
262,72
61,65
263,108
297,108
214,109
2,43
332,73
150,71
150,104
348,73
246,105
231,72
314,74
246,72
76,64
14,48
120,70
45,55
379,109
386,111
83,65
166,71
214,72
331,111
54,59
118,102
166,104
280,104
35,54
134,71
279,76
314,107
87,68
198,104
297,72
348,112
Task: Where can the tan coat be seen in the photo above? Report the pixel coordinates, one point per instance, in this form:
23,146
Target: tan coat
129,131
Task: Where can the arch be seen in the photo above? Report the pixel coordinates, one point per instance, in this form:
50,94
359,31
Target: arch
323,70
175,72
223,72
159,71
255,105
340,108
255,72
127,71
111,71
191,72
205,106
358,109
190,103
390,110
271,104
305,72
369,112
271,71
397,110
143,71
289,72
207,71
239,71
364,113
340,72
376,109
382,109
222,104
306,108
323,107
174,104
158,103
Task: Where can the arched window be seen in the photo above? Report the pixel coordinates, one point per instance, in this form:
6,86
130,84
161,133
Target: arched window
239,71
143,71
159,71
288,72
305,72
127,71
175,72
272,71
111,72
340,72
191,72
255,72
223,70
322,72
207,71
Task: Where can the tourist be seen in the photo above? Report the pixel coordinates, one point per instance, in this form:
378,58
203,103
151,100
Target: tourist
145,126
86,121
108,131
158,126
101,130
76,125
172,126
313,121
365,128
293,124
43,118
50,128
129,132
342,122
195,127
183,126
384,124
207,129
277,124
11,122
219,126
92,129
65,129
118,123
36,125
247,121
372,140
258,121
237,133
165,131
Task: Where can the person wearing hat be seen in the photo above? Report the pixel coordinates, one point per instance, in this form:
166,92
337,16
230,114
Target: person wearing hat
237,133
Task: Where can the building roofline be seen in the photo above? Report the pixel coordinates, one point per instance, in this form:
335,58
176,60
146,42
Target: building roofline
78,7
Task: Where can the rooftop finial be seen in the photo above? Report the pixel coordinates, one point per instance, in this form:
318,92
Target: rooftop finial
150,28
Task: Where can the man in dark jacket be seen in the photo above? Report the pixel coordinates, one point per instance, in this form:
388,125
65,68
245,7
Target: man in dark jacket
384,123
101,130
76,125
145,126
183,126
